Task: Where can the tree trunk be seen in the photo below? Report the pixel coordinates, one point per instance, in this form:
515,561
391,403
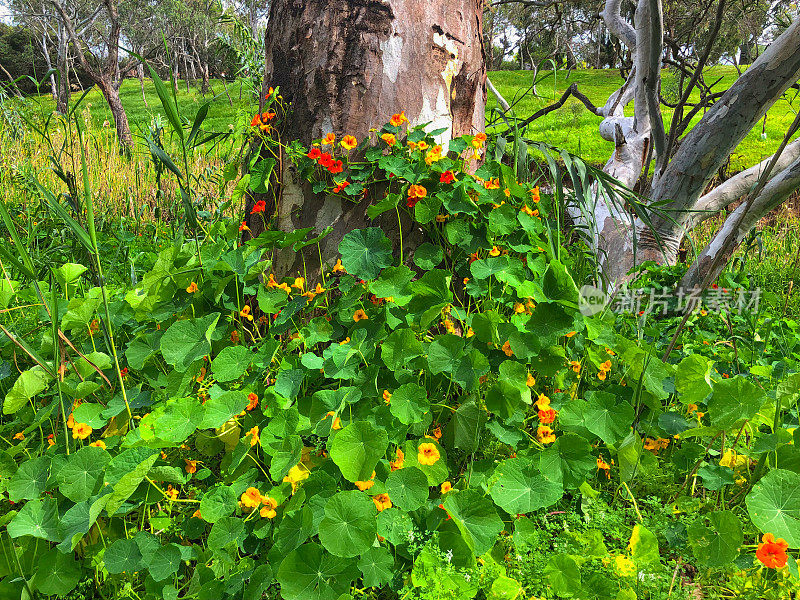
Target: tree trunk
63,95
346,67
111,94
140,75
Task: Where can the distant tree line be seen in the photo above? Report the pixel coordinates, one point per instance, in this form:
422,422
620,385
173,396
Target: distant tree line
84,42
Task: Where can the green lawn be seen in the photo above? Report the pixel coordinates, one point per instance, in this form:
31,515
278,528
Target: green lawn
571,127
574,128
222,112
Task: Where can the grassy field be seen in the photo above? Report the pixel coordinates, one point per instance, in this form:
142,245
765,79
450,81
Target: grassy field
574,128
222,114
571,127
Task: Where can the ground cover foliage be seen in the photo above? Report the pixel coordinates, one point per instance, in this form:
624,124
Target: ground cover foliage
446,424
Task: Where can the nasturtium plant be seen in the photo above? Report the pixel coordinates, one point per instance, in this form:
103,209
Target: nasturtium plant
427,418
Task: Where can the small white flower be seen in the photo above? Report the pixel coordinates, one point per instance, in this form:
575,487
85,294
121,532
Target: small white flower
467,576
449,555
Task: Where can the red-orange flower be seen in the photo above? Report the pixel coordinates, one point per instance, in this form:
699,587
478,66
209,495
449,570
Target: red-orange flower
398,119
326,160
415,193
314,153
547,416
328,139
447,177
772,552
336,167
252,401
258,207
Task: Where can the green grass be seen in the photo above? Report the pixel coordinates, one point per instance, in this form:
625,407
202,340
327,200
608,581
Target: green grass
574,128
221,115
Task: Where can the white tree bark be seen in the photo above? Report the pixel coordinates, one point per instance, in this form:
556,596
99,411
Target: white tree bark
680,181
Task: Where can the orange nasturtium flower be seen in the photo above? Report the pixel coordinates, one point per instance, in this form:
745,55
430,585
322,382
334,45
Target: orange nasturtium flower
365,485
535,195
19,436
252,401
191,465
387,397
348,142
338,267
389,138
547,416
398,119
545,434
542,402
337,424
172,493
492,184
398,462
495,251
251,498
81,431
507,349
602,464
575,365
772,552
446,487
527,210
359,315
245,313
192,288
382,502
427,453
254,433
196,514
328,139
268,510
478,140
299,283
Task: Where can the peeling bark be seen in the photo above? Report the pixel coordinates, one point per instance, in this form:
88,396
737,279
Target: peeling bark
346,67
680,182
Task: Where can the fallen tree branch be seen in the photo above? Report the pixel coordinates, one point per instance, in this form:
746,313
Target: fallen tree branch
572,90
502,101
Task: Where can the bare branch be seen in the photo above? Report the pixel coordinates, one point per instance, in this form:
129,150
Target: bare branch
738,185
572,90
502,101
617,25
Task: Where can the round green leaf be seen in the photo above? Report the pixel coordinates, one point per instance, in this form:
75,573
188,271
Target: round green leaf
56,574
28,384
38,518
719,544
427,256
217,503
82,473
377,566
365,252
408,487
231,363
774,505
310,573
476,518
123,556
188,340
357,448
520,488
164,562
349,527
410,403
